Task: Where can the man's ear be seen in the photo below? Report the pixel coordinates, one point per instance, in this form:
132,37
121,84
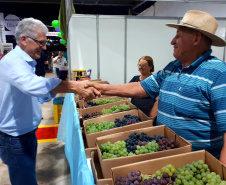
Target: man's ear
23,40
197,38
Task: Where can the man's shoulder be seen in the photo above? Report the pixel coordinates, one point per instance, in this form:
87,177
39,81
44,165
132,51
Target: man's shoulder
172,65
11,55
214,63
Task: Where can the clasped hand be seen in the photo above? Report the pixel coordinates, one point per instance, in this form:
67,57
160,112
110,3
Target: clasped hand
87,90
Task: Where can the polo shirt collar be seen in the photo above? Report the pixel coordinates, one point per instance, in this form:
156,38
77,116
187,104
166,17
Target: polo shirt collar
197,62
201,59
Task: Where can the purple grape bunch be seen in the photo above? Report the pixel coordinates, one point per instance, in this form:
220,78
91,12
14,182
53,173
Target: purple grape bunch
92,115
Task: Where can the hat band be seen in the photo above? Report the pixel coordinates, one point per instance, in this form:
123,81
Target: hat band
188,25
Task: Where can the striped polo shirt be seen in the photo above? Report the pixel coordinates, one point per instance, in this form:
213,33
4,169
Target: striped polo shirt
192,101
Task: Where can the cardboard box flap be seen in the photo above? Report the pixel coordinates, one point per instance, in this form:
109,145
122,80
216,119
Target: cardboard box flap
180,141
96,170
224,171
88,151
216,165
80,104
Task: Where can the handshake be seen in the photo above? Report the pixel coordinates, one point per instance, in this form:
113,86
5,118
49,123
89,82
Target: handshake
87,90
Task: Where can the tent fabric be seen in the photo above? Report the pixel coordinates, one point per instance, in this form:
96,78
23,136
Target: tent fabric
64,16
69,131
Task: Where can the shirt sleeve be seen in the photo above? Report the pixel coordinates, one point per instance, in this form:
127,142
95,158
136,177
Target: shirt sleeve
19,73
218,101
152,84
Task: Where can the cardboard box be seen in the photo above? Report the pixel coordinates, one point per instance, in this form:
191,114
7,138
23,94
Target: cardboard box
151,166
77,97
89,151
105,96
91,138
83,104
183,146
96,80
102,82
96,170
90,110
80,104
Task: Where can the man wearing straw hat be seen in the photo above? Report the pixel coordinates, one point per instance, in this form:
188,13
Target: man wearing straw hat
191,89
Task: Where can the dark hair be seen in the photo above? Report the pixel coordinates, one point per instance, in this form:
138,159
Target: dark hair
149,60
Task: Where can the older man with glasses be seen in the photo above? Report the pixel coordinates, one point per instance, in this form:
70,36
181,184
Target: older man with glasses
21,92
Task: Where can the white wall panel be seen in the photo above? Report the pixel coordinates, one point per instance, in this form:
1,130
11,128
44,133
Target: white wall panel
120,46
149,37
219,51
112,48
83,43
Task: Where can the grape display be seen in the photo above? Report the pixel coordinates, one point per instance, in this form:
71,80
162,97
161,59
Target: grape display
134,177
90,104
116,108
127,120
196,173
102,102
92,115
109,150
94,127
142,139
135,144
166,144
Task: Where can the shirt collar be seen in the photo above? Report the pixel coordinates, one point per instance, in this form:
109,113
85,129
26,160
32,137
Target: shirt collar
201,59
24,55
197,62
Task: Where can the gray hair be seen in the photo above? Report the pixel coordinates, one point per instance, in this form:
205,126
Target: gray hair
29,27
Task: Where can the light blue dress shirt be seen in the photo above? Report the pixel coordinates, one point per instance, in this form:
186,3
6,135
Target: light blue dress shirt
21,92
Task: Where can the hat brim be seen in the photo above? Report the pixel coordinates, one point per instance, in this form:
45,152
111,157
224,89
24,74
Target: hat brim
216,41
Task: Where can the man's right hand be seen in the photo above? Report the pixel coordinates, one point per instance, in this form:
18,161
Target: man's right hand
93,84
86,91
77,87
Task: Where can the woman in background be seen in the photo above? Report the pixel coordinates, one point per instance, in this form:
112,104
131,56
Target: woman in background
147,105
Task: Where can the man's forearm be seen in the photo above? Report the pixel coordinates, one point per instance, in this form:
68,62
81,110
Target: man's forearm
64,87
223,151
134,90
76,88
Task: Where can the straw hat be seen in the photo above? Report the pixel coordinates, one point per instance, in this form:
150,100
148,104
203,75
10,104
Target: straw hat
202,22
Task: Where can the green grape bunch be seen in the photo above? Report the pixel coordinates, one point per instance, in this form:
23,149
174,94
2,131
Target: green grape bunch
115,108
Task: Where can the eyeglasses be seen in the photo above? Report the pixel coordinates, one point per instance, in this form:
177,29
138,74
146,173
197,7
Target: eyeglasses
140,65
42,43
